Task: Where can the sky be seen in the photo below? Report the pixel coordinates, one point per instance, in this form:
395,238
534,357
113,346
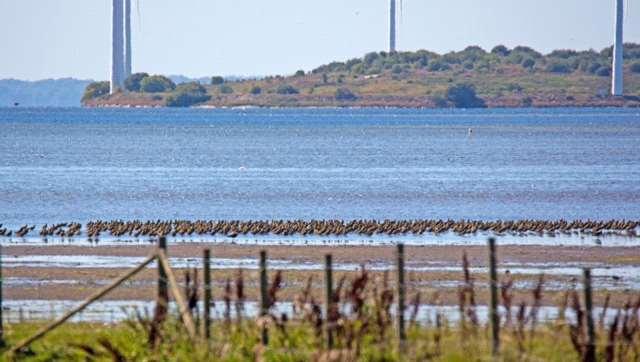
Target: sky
71,38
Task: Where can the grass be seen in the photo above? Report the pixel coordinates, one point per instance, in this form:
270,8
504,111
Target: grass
297,341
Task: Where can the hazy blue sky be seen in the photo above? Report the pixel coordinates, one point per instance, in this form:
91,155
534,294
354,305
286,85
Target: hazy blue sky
62,38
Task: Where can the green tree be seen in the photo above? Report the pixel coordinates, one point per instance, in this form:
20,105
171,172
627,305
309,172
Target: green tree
225,89
464,96
300,73
217,80
560,67
255,90
438,66
528,63
157,84
187,94
95,90
603,71
287,89
500,50
369,58
133,82
345,95
635,67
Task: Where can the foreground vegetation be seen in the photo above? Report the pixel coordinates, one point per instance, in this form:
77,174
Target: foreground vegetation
472,77
297,342
361,322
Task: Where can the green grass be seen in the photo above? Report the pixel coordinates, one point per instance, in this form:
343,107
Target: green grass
297,341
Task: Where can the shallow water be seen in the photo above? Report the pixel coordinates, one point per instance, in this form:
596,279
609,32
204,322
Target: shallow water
115,311
426,239
61,165
618,277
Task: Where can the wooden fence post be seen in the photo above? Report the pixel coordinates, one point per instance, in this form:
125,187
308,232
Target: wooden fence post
207,294
264,296
183,307
401,298
493,283
162,300
328,280
590,353
2,343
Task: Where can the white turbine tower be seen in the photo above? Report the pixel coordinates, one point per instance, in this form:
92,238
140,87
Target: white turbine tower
392,26
127,38
117,46
618,51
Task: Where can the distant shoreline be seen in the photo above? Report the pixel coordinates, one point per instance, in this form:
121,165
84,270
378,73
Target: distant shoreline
612,104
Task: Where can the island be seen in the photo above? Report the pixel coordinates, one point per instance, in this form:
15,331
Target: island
471,78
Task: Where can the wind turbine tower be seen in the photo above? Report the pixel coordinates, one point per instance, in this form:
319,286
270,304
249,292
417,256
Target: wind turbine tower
127,38
618,51
392,26
117,46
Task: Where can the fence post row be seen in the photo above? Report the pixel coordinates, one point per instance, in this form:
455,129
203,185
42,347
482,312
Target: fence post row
328,280
166,279
402,336
493,283
206,325
264,302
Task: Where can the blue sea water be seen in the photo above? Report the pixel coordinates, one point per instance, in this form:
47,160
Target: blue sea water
60,165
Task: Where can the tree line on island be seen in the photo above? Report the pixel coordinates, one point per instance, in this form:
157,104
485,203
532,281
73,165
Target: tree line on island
452,77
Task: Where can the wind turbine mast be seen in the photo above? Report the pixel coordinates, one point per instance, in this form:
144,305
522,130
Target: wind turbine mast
392,26
117,46
127,38
617,87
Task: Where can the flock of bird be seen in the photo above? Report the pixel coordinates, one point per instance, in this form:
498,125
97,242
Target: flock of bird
234,228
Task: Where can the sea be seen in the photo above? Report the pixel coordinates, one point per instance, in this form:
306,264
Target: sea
78,165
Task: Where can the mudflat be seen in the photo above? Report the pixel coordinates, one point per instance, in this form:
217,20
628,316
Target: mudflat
435,272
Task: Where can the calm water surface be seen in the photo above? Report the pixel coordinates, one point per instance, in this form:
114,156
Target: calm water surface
82,164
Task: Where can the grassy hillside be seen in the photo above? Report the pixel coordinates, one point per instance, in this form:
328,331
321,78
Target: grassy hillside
501,77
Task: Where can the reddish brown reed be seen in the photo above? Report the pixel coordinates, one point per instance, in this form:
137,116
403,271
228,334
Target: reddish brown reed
506,287
227,301
240,297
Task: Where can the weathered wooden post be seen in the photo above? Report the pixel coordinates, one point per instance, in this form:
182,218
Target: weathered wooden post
328,281
162,300
2,344
493,283
402,336
590,353
207,294
264,296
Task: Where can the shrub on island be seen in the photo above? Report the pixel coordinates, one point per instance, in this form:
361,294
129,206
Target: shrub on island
217,80
134,82
464,96
287,89
345,95
95,90
157,84
187,94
